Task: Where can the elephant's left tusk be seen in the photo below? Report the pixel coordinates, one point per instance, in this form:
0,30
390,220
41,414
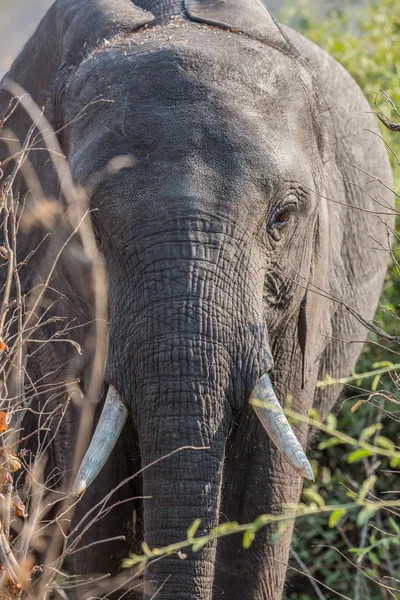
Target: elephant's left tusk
109,427
276,425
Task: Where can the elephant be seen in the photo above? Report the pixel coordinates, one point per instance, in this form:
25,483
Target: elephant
234,240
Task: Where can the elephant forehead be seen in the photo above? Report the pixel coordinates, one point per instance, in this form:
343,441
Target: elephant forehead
183,94
200,53
225,122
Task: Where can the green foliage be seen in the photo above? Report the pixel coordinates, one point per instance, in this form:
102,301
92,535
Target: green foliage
350,547
364,39
357,553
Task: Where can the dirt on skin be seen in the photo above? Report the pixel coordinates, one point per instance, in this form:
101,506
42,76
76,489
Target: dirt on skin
19,19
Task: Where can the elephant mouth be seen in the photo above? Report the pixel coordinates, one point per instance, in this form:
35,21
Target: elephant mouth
265,404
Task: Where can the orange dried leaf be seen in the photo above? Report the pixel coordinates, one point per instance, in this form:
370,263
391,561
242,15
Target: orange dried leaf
13,462
11,591
19,507
2,345
3,415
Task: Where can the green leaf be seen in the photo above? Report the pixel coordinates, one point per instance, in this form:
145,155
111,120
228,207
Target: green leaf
384,442
370,431
260,521
381,364
226,528
394,525
366,514
147,550
248,538
313,414
357,455
395,462
357,551
199,543
351,495
335,517
374,558
312,495
333,441
367,485
331,421
327,380
134,559
192,529
288,401
375,383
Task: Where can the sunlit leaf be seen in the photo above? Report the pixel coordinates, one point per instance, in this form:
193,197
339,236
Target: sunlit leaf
333,441
248,538
199,544
327,380
384,442
335,517
358,455
366,514
146,549
225,528
313,414
370,431
374,558
375,383
331,421
192,529
394,525
395,462
312,495
381,364
367,486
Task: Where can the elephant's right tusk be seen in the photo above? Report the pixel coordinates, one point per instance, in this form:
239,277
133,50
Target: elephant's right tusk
276,425
108,430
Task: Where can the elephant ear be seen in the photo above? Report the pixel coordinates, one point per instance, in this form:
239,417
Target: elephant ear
66,34
241,16
314,325
69,31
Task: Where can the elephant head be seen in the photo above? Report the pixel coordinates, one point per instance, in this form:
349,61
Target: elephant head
214,237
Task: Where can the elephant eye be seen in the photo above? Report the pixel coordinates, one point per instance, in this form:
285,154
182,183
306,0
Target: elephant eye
280,221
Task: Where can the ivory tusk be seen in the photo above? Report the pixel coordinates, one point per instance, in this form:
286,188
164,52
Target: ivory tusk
108,430
276,425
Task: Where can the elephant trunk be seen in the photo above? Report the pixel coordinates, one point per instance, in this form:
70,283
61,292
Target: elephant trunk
187,354
183,439
187,343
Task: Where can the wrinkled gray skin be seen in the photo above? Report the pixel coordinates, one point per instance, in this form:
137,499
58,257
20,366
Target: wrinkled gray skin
231,133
